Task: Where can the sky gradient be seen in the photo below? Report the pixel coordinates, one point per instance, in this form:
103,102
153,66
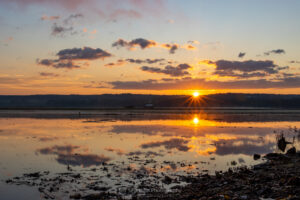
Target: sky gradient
149,46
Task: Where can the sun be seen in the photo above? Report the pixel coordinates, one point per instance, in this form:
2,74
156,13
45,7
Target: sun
196,94
196,120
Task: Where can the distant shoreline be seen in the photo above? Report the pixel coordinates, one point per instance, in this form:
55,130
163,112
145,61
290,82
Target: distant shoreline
217,114
152,109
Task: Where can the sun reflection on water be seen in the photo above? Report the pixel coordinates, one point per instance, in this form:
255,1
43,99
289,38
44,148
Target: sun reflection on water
196,120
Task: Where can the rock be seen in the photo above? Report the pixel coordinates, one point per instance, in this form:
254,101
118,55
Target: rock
98,188
291,151
33,175
176,187
167,180
272,155
94,196
256,156
244,197
294,181
233,163
75,196
77,176
9,181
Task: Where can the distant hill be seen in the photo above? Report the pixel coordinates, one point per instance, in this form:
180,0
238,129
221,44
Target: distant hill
139,101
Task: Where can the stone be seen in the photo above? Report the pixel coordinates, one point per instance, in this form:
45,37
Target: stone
291,151
256,156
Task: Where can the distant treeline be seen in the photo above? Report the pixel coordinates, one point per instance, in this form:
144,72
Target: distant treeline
139,101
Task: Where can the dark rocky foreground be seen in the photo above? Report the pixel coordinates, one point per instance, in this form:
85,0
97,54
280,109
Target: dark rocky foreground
277,178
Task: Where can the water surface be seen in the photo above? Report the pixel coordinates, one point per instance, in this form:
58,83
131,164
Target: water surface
114,148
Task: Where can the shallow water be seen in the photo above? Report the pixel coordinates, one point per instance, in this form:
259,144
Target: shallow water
129,144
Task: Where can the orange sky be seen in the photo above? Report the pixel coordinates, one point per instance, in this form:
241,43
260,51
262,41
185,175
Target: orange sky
149,47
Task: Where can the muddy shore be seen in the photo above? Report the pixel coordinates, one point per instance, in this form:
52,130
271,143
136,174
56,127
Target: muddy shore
277,178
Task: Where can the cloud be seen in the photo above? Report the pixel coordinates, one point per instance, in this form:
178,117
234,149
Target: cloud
67,155
246,66
47,139
71,5
240,75
67,64
179,70
49,18
69,19
193,42
175,143
97,86
85,53
244,69
94,84
121,13
201,83
172,47
65,27
47,74
119,62
93,32
148,61
67,56
170,21
58,30
294,62
189,47
212,45
241,54
8,40
135,61
108,10
275,51
142,43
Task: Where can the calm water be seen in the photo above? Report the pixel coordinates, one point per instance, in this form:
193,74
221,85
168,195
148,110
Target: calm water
157,144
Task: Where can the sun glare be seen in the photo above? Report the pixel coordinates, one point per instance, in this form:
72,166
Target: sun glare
196,94
196,120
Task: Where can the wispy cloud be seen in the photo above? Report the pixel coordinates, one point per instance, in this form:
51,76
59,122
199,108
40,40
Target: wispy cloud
172,47
179,70
49,18
295,62
64,27
48,74
135,61
139,42
275,51
241,54
144,44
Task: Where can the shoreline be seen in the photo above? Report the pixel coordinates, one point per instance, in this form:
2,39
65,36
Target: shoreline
276,178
